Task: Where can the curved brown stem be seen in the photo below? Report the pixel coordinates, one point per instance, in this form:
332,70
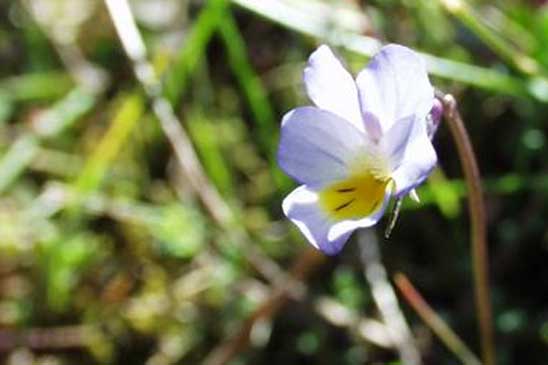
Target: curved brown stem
434,321
478,222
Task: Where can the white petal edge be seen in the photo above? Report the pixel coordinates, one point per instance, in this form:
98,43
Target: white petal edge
331,87
394,85
302,208
316,146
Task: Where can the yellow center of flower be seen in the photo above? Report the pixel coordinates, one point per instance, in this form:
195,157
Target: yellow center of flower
362,193
356,197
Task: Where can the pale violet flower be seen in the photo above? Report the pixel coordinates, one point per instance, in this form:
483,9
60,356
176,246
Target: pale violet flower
364,141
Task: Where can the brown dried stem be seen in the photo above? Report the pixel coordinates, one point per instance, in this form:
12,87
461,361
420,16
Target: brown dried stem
478,223
434,321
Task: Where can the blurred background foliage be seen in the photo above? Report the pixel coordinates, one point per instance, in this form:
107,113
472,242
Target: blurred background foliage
107,254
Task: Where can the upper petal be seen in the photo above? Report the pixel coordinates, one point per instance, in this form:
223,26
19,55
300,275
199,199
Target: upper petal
317,146
302,207
418,160
331,87
394,142
393,86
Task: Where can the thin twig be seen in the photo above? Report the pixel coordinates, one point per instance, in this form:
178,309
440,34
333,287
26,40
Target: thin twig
134,46
323,28
478,222
91,77
385,298
434,321
186,156
368,329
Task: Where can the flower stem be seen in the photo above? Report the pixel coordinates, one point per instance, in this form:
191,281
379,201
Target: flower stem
434,321
478,224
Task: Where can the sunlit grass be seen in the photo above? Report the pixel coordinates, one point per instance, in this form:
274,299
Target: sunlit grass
102,231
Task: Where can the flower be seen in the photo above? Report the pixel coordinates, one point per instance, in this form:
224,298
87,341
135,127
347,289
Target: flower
364,141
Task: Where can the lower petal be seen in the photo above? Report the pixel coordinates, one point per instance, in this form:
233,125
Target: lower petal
357,202
328,217
302,207
350,225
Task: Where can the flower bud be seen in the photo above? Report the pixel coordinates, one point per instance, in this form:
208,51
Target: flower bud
433,118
